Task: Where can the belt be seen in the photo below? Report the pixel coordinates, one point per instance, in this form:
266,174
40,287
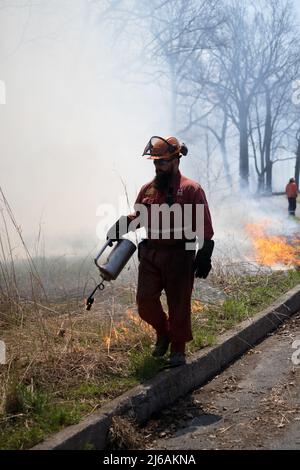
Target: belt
166,244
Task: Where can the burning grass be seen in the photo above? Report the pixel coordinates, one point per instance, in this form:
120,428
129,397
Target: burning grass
63,367
55,374
272,250
63,363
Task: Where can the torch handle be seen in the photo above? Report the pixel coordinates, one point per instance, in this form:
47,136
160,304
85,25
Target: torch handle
108,243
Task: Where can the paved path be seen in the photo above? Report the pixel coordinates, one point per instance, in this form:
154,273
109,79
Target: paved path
254,404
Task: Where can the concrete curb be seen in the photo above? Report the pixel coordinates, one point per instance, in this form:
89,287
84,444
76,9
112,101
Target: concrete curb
164,389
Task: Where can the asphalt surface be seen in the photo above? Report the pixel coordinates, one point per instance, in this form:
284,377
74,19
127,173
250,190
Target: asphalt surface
253,404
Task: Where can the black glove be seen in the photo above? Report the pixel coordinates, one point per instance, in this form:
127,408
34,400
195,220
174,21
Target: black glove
140,246
202,263
119,229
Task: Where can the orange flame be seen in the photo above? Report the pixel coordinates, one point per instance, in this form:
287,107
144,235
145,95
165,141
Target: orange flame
124,328
107,341
197,306
134,318
273,250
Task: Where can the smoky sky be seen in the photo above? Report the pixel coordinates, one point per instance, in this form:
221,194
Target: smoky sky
73,128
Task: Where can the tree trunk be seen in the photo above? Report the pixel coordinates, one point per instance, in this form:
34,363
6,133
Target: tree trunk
297,166
268,140
222,143
244,151
173,107
261,176
269,175
223,148
261,183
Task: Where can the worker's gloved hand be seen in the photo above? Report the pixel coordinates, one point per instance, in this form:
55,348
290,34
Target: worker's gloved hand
202,263
119,229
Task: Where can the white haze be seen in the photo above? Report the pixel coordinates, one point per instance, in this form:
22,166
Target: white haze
71,130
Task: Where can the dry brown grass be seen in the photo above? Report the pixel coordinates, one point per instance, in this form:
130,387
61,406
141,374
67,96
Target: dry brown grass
58,352
56,346
124,435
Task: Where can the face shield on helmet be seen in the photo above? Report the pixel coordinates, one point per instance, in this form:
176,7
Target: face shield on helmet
158,147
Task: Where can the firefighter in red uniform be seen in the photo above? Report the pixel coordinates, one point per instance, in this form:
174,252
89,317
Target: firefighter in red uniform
166,263
292,193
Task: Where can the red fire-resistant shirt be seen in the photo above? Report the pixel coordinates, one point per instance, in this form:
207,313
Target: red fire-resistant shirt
291,190
184,191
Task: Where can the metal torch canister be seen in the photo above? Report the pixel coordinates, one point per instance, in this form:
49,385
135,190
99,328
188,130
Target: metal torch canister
117,259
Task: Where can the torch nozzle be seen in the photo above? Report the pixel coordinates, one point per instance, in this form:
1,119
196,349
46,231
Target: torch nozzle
89,302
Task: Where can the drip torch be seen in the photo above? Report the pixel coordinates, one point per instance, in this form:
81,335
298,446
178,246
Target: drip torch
116,260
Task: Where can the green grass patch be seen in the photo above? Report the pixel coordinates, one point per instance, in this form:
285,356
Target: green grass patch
144,366
247,297
202,337
108,387
32,413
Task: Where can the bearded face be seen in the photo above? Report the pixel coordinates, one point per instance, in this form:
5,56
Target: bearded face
162,179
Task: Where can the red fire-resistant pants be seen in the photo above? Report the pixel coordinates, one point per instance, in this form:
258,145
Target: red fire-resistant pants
169,268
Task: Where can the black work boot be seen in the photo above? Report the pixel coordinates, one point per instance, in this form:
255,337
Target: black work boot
176,359
161,346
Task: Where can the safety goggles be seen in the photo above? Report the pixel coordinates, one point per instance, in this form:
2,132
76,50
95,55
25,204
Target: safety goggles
158,146
163,161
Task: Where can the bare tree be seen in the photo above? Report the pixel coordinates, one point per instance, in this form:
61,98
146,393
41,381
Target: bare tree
297,165
254,61
226,64
170,32
271,115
